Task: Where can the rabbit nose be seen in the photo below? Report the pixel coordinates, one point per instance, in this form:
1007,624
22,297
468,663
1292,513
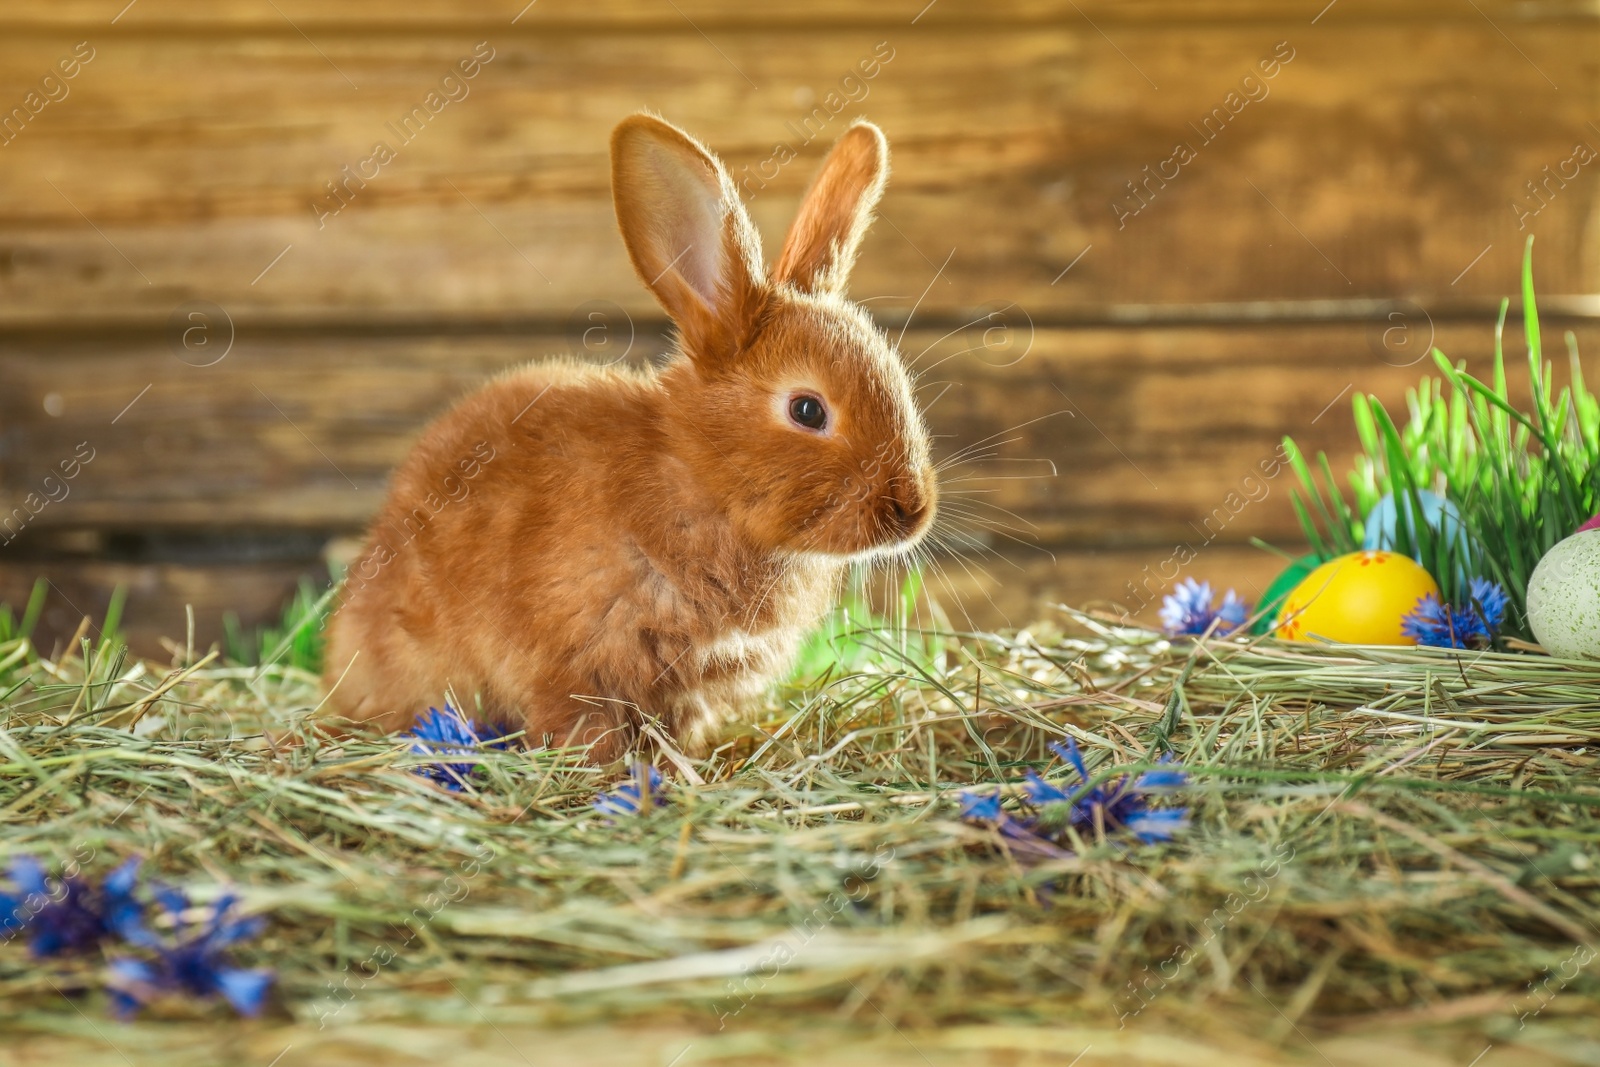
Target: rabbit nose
909,505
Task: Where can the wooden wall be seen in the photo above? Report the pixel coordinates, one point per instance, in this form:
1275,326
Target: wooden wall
1324,224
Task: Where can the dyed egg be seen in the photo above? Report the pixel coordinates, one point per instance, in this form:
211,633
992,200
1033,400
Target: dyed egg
1358,599
1442,516
1564,597
1281,587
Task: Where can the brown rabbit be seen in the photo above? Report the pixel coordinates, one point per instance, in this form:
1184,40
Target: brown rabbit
573,548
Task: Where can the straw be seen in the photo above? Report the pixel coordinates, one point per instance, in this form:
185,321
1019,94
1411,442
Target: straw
1424,819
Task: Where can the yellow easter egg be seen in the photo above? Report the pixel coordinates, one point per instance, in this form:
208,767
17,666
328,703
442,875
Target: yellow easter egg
1358,599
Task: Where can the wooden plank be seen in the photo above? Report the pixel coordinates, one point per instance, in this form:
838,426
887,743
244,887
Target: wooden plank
1384,162
292,433
284,15
1150,430
1015,587
157,596
1168,436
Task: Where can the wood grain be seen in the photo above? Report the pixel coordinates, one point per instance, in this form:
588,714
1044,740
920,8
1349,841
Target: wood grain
346,15
158,596
1316,243
1149,430
1384,163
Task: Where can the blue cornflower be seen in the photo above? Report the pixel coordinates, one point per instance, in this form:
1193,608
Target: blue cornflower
75,917
1119,805
196,963
1446,626
1122,804
639,794
78,916
1023,833
1187,609
449,733
981,808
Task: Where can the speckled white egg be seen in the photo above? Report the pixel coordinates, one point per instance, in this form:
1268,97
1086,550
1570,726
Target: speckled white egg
1564,597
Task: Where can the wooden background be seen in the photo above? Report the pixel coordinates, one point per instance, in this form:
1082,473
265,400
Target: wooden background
1316,246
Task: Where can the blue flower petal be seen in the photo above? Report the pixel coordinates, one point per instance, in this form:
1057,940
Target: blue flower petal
1042,792
450,727
223,931
122,913
68,921
1187,609
974,806
124,879
29,876
79,916
643,791
219,912
1152,826
1489,599
1234,612
131,970
197,965
173,901
73,915
1446,626
1069,752
618,803
1151,781
125,1005
245,990
133,982
1120,805
46,941
238,930
1022,833
449,733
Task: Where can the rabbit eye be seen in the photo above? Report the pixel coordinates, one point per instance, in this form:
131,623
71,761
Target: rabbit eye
807,411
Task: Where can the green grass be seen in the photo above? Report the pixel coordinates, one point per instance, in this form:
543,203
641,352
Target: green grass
296,640
854,636
11,626
850,638
1522,479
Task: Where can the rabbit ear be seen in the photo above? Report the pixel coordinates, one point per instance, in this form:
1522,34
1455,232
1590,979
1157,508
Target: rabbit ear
689,237
821,246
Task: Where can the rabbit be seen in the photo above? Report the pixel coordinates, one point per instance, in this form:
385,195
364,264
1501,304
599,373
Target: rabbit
575,550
